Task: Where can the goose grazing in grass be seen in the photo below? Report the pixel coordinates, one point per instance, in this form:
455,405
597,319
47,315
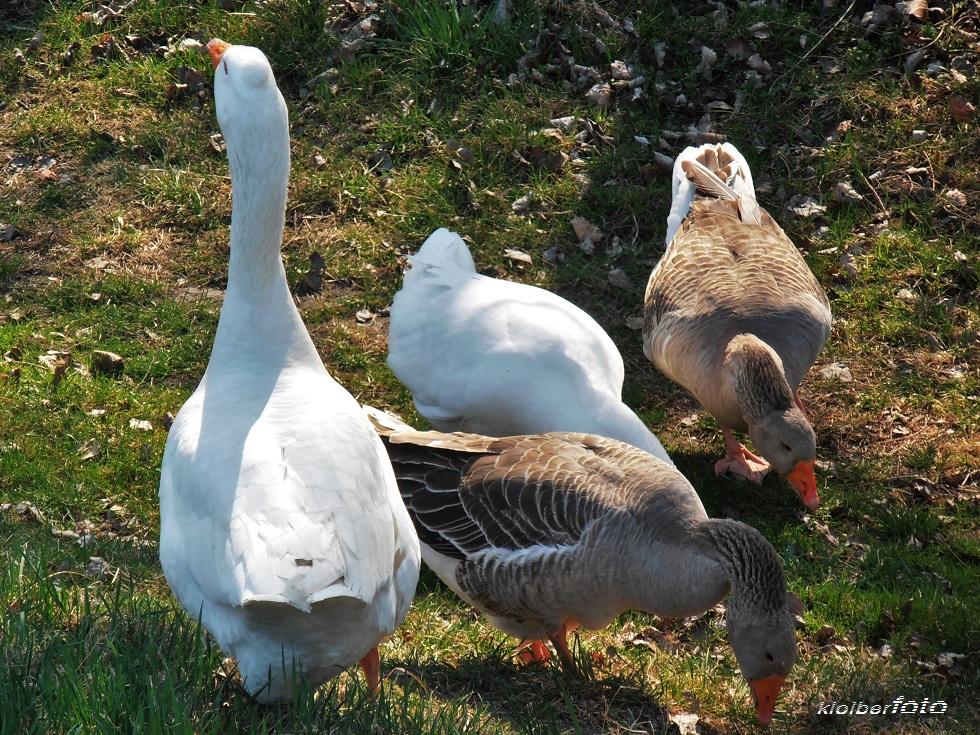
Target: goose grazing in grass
281,526
546,532
733,314
500,358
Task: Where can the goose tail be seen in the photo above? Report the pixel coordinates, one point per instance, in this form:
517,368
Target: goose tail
716,171
445,248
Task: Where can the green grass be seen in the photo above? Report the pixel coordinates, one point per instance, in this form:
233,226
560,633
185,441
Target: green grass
123,247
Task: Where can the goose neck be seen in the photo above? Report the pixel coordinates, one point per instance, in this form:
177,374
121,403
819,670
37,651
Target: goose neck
753,372
754,571
258,216
258,309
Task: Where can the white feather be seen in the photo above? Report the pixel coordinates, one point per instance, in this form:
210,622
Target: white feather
684,189
499,358
282,529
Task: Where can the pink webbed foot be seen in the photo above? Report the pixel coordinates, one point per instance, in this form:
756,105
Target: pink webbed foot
740,461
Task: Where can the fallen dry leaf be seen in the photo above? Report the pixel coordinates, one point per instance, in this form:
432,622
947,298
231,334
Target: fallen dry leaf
738,47
822,529
803,205
758,64
846,194
520,205
564,123
312,280
836,371
599,95
849,265
687,723
918,9
618,278
708,60
619,70
518,256
583,228
961,109
97,568
107,362
380,163
957,197
89,450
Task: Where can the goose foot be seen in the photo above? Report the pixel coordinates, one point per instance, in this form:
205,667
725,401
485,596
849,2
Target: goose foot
534,652
560,641
371,663
740,461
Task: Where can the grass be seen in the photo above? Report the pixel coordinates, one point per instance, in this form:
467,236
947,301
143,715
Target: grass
120,207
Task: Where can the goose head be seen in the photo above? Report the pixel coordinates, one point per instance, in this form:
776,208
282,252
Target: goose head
760,611
786,439
776,424
764,642
251,111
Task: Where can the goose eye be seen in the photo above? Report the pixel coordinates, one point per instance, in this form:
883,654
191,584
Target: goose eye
225,65
787,447
769,657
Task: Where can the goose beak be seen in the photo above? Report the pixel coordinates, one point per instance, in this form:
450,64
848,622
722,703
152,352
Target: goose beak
764,693
804,481
215,48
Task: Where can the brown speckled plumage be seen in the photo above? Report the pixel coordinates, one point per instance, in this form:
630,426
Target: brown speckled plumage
731,272
722,277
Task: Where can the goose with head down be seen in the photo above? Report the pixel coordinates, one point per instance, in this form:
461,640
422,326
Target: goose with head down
281,526
499,358
547,532
733,314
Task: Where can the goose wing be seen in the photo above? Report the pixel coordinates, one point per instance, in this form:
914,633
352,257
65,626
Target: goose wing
469,494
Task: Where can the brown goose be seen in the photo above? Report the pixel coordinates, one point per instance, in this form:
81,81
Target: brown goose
733,313
546,532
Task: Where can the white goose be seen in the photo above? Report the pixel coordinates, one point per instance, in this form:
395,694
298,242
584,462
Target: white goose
547,532
733,313
281,525
500,358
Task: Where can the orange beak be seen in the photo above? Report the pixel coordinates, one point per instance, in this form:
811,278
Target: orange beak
216,47
764,693
804,481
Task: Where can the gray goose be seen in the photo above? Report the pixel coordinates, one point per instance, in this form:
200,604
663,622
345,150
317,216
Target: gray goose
546,532
733,314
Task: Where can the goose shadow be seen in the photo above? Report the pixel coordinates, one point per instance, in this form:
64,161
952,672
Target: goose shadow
528,697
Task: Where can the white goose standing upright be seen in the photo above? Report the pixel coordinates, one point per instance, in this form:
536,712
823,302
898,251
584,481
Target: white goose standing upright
733,313
547,532
499,358
281,525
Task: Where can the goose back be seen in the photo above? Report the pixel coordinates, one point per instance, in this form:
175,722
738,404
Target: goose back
499,358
